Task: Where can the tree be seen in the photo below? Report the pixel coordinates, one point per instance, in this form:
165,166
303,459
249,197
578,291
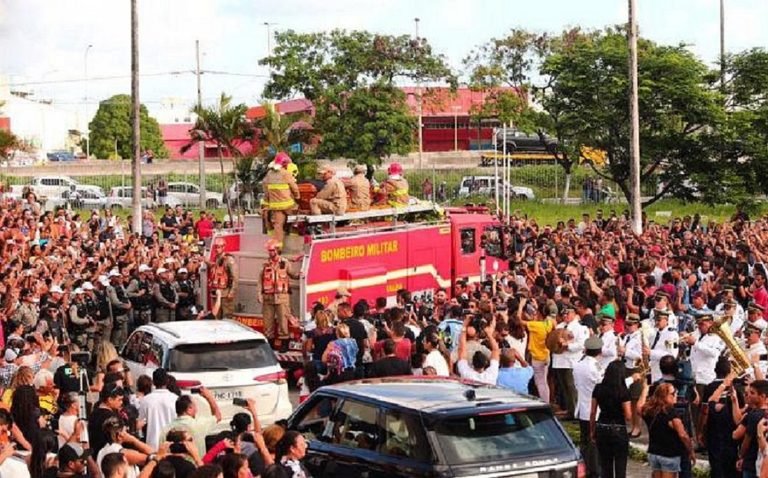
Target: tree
586,94
350,77
224,125
111,130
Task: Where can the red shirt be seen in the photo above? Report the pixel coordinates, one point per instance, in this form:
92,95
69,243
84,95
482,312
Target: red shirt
402,349
204,228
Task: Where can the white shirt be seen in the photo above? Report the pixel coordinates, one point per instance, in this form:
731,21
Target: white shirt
489,375
704,355
14,468
67,427
739,317
519,345
662,342
132,472
754,352
586,374
436,360
575,348
158,409
609,352
633,348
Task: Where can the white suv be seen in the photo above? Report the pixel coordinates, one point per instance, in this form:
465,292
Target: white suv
226,357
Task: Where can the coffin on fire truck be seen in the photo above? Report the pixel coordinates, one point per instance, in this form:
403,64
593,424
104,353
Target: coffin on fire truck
372,254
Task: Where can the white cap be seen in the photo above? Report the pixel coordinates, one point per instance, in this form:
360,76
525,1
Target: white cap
182,270
104,281
116,273
87,285
161,270
56,290
144,268
169,260
79,291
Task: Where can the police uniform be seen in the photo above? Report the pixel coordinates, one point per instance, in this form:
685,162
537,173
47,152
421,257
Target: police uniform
121,306
165,298
103,317
757,351
223,277
704,354
274,292
80,325
587,373
139,292
662,342
609,351
633,349
185,290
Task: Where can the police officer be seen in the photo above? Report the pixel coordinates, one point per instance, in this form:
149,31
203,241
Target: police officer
223,279
121,307
663,341
755,349
631,350
280,195
165,297
735,310
359,190
332,199
139,292
610,340
587,372
705,350
395,188
103,317
273,293
755,316
27,311
81,325
185,290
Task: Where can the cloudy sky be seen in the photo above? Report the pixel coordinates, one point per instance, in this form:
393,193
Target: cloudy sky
44,42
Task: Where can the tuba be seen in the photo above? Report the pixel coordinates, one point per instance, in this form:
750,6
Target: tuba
738,358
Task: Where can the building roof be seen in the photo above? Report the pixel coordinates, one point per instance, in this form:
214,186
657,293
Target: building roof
299,105
440,101
176,131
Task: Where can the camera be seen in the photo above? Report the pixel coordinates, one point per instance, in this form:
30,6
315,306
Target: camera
81,358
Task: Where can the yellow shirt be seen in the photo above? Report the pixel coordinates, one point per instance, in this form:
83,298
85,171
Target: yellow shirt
537,337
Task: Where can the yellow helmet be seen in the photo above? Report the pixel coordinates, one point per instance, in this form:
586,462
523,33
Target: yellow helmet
293,169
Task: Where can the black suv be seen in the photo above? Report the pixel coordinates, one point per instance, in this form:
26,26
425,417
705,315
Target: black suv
421,427
518,141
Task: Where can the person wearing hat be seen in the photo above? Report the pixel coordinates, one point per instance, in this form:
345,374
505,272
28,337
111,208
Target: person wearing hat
273,292
755,350
632,352
663,341
359,190
222,280
81,326
661,300
187,293
102,313
280,195
607,334
755,316
139,292
587,373
165,297
394,189
74,460
730,307
27,312
332,199
706,348
572,346
120,305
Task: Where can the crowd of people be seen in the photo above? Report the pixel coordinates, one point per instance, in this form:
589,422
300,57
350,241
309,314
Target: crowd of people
660,334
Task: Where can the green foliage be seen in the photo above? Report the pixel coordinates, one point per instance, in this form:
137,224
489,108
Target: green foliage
350,77
223,124
8,143
277,131
111,130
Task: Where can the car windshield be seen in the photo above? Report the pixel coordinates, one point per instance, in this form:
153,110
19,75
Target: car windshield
499,436
224,356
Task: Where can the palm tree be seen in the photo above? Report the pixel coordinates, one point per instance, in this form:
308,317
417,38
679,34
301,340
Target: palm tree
277,132
226,126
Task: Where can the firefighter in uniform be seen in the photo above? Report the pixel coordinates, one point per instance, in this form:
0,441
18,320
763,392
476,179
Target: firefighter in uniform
332,199
274,295
121,307
360,190
663,341
185,291
280,195
140,294
81,325
394,190
223,280
165,297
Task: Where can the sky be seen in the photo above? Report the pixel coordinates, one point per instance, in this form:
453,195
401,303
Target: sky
45,43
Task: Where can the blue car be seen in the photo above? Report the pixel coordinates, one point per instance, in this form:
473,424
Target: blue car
61,156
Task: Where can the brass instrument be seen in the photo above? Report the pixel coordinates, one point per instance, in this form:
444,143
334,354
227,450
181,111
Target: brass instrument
643,364
738,358
554,340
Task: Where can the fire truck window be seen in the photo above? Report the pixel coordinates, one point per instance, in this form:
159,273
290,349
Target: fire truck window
491,242
467,241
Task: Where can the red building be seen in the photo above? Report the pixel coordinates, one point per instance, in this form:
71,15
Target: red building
175,136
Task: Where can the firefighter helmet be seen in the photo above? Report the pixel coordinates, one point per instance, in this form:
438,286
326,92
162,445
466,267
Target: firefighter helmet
272,245
293,169
282,159
395,168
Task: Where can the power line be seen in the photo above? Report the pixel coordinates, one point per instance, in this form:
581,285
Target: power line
122,77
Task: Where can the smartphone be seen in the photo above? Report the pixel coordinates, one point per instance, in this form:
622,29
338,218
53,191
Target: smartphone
240,402
195,391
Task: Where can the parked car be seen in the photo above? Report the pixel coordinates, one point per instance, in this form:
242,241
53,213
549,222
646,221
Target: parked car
420,427
61,156
228,358
518,141
54,186
78,199
122,197
486,185
188,194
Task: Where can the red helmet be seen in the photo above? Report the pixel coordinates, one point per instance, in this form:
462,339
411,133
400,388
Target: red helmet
282,159
395,168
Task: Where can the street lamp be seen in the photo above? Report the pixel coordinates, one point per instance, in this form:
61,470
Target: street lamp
421,126
456,109
87,126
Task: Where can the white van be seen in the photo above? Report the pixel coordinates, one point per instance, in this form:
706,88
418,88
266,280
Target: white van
486,185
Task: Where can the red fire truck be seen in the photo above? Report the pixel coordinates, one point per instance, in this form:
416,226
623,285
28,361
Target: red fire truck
372,254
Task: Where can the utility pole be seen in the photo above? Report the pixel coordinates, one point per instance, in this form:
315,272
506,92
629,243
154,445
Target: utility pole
87,126
200,144
634,124
135,119
722,45
421,112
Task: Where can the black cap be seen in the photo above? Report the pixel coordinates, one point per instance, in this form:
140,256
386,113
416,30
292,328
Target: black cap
71,452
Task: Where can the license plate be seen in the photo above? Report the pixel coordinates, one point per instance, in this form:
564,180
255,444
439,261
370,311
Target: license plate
295,345
227,396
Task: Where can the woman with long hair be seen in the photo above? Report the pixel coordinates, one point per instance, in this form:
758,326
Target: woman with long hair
667,438
26,411
609,432
340,355
437,356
